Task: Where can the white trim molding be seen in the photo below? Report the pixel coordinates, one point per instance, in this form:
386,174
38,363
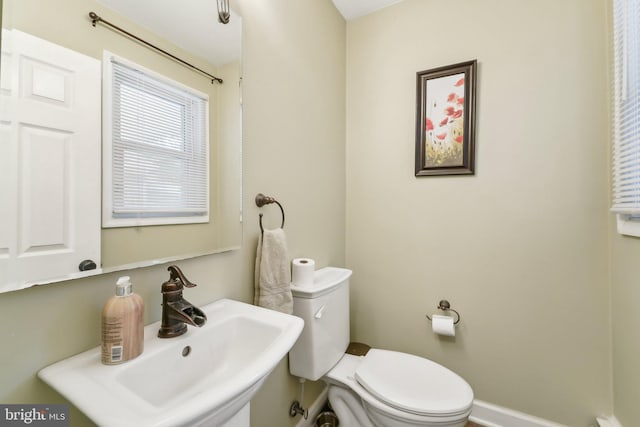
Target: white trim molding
491,415
627,226
610,421
484,413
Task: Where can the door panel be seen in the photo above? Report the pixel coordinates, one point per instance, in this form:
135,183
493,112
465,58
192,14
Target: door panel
50,128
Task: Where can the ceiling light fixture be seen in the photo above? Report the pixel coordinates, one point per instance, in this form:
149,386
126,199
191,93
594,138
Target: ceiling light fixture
223,11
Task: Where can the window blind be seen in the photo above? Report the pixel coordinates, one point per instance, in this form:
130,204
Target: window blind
626,123
160,166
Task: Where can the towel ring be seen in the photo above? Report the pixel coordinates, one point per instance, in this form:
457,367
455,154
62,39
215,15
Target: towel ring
262,200
445,306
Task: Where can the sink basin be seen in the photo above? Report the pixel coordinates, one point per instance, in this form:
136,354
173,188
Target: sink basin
205,376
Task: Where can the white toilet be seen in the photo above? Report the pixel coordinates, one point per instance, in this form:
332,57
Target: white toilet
382,388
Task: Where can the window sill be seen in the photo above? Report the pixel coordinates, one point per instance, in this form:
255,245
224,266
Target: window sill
628,227
110,222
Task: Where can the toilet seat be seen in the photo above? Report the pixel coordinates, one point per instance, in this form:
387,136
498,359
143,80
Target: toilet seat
371,377
413,384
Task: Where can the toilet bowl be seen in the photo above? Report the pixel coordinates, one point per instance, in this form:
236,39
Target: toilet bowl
383,388
398,389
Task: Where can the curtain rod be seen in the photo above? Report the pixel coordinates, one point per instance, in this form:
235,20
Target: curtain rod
95,19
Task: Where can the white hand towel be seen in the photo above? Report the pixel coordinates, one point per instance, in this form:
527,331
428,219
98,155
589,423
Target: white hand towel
273,273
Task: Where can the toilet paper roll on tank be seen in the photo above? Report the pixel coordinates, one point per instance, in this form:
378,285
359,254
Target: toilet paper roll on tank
302,271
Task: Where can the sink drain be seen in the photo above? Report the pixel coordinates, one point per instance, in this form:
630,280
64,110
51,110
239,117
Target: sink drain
186,351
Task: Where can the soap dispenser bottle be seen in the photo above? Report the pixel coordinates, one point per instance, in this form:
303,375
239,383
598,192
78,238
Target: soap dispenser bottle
122,325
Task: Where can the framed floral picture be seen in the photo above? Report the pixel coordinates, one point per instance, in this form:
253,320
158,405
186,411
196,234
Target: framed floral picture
445,120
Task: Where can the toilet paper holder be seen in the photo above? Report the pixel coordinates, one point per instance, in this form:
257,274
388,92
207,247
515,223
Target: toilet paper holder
445,306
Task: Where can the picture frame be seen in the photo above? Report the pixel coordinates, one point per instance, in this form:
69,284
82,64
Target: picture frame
445,120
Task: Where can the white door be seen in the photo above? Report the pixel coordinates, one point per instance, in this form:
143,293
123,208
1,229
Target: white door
50,160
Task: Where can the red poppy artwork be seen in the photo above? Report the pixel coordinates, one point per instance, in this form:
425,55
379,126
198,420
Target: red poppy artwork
442,146
446,114
429,125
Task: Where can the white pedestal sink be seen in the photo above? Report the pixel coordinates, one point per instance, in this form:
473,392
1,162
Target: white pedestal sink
204,377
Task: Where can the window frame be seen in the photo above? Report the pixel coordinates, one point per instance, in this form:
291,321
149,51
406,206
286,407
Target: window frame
625,150
108,219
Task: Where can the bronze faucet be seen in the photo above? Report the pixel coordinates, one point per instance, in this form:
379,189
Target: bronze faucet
176,311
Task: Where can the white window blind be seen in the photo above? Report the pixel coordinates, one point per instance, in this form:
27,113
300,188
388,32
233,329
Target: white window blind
159,162
626,138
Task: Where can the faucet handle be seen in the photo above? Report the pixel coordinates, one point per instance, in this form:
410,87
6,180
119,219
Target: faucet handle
178,277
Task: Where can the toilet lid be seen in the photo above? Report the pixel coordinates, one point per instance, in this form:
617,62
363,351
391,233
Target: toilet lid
414,384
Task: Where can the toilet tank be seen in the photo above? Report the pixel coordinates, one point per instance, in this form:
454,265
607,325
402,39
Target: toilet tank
324,306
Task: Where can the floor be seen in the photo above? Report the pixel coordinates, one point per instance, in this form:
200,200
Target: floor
472,424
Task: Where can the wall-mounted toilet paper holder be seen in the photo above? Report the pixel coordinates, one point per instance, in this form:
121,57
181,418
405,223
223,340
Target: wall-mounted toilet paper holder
445,306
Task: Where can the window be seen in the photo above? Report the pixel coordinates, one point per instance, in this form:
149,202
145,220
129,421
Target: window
626,132
156,161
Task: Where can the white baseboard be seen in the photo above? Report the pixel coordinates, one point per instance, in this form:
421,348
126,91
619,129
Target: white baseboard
314,410
490,415
484,413
610,421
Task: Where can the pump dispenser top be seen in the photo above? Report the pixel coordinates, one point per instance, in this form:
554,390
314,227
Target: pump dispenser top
124,287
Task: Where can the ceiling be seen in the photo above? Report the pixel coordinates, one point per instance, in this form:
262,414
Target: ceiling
206,37
352,9
191,25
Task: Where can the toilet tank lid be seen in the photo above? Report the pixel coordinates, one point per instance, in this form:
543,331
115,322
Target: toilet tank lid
324,281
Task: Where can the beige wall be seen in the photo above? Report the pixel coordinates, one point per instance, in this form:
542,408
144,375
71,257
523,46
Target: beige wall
519,249
626,328
293,135
625,295
72,29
